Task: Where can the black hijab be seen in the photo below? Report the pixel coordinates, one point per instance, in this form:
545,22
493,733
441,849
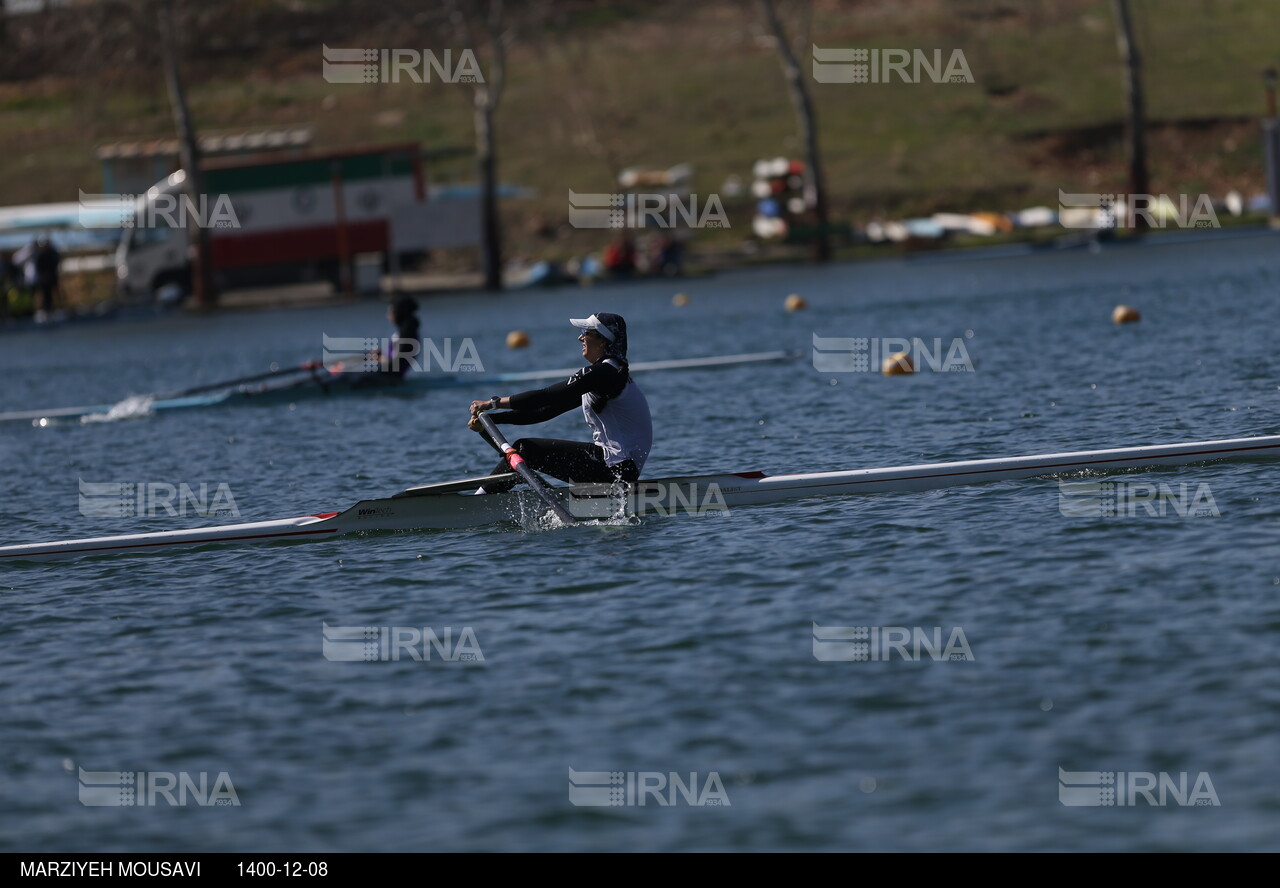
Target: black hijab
615,351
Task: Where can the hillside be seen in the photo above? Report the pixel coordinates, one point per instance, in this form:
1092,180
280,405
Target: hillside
611,85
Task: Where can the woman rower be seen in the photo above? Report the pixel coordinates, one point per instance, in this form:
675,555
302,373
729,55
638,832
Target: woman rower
403,348
406,342
614,407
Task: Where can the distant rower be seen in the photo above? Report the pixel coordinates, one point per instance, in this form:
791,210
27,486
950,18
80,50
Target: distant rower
406,342
614,407
403,348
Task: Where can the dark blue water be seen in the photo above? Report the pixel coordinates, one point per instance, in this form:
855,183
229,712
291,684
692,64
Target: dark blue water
680,644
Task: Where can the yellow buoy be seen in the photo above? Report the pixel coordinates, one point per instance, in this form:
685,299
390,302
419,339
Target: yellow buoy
1125,314
680,300
897,364
517,339
795,302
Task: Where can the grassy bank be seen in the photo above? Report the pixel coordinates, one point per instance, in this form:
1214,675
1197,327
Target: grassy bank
697,83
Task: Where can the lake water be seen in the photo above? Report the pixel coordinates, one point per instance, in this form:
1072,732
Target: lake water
1135,643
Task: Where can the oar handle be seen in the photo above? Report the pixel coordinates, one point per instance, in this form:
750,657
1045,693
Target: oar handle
520,467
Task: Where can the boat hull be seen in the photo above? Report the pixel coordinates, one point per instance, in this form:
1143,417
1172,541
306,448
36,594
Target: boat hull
700,494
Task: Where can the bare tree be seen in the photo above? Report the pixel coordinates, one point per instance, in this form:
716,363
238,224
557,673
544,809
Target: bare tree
1135,122
807,124
202,285
487,93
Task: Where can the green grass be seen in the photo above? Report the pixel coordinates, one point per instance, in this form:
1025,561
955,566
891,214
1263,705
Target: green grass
664,87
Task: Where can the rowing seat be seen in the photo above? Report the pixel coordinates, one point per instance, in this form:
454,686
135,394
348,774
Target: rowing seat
456,486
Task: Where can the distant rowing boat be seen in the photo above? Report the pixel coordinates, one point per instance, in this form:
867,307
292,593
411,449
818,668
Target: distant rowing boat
322,383
452,505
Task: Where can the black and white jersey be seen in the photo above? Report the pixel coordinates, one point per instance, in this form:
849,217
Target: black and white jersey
611,402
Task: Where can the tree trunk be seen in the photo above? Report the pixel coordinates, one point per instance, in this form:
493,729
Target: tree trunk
1135,123
487,94
487,168
202,286
807,125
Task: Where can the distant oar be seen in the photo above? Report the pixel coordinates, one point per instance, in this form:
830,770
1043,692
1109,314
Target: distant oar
75,412
232,383
467,379
314,368
520,467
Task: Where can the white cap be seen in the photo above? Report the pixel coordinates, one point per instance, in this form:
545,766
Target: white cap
594,324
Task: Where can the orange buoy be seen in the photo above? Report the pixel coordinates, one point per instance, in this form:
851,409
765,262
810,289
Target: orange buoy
1125,314
795,302
897,364
680,300
517,339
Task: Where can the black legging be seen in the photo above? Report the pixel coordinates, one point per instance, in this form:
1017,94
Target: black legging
575,461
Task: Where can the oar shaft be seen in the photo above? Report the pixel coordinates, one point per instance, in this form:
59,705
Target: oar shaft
521,468
231,383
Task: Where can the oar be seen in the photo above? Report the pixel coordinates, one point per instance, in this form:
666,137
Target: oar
520,467
309,366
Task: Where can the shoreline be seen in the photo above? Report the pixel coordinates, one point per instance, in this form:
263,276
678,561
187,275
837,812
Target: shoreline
426,285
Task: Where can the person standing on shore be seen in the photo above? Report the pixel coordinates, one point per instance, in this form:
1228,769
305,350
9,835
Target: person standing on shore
47,260
6,281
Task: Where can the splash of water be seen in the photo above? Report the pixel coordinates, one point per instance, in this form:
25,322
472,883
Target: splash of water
133,407
609,505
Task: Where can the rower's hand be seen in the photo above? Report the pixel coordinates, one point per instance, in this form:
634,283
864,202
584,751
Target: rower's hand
478,407
474,423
